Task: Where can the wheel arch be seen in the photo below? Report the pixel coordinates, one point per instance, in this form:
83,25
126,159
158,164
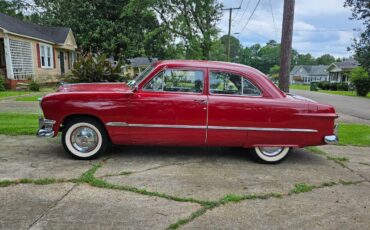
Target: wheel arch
70,117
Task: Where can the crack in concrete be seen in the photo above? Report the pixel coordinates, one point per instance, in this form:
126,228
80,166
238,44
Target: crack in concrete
200,212
148,169
53,205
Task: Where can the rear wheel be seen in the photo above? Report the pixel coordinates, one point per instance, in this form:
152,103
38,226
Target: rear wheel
84,138
270,154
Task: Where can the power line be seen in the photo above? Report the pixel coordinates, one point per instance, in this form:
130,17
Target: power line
237,13
245,10
273,18
249,18
326,30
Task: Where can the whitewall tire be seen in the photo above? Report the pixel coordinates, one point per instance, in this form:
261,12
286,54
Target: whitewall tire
271,154
84,138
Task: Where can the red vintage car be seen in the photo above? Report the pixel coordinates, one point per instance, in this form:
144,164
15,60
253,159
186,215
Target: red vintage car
187,103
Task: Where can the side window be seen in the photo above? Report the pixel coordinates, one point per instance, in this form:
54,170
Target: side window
156,84
225,83
177,81
228,83
249,89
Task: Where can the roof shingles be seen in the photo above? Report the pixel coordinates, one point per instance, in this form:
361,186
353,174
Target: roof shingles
56,35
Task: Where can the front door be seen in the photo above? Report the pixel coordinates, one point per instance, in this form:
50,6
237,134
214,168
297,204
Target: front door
170,109
61,58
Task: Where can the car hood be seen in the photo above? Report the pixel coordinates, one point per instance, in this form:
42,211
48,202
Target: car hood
95,87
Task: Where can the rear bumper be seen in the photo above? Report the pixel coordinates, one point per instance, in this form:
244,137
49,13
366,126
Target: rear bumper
332,139
45,128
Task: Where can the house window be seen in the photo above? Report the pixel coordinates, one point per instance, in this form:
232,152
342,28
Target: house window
46,56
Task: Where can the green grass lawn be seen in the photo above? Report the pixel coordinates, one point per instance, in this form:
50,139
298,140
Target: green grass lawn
4,94
354,134
301,87
343,93
23,95
18,124
27,124
30,98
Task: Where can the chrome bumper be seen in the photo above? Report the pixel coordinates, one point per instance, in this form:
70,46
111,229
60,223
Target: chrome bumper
332,139
45,128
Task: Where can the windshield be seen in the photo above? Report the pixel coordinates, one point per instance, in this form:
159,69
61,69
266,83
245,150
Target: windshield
141,76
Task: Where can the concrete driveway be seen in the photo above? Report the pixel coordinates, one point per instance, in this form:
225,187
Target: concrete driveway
352,109
189,188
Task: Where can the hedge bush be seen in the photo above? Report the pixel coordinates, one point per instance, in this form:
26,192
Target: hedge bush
34,86
361,80
2,82
325,85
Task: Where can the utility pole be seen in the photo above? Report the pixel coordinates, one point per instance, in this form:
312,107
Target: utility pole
286,44
230,15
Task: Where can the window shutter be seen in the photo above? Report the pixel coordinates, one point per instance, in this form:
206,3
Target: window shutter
38,55
53,53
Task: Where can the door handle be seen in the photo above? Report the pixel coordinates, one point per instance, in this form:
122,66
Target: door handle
201,101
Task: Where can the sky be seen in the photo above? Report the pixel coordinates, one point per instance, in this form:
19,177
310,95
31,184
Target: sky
320,26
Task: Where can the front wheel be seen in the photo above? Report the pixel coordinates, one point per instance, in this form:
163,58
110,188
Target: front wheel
84,138
270,154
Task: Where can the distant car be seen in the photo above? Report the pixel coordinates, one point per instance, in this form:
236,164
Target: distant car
186,103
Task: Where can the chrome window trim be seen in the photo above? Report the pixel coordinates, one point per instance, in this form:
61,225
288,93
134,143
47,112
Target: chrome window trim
234,95
180,69
124,124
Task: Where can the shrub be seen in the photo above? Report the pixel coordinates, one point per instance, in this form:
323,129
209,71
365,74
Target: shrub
343,86
325,85
95,68
34,86
333,86
2,82
361,80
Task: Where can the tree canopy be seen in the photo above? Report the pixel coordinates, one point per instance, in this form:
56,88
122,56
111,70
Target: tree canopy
165,29
361,46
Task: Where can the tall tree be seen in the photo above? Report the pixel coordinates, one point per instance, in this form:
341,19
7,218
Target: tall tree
305,59
235,47
15,8
325,59
104,26
361,46
192,21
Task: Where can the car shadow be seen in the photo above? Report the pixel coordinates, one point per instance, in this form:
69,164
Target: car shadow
301,156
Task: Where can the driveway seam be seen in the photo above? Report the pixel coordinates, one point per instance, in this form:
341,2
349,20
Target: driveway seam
51,207
148,169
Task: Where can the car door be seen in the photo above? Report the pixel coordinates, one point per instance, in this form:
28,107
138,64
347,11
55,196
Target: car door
234,104
170,109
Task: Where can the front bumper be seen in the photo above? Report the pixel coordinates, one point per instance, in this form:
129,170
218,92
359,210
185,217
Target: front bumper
332,139
45,128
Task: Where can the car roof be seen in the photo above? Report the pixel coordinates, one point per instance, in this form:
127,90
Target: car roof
250,71
208,64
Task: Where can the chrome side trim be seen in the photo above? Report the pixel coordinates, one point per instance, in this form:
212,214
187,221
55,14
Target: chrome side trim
169,126
116,124
211,127
263,129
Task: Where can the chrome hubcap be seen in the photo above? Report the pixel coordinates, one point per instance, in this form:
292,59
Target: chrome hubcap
84,139
271,151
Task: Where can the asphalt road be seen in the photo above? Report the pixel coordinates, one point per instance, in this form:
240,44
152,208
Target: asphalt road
353,106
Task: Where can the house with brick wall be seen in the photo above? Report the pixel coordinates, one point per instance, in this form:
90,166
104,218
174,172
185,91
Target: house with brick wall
32,52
